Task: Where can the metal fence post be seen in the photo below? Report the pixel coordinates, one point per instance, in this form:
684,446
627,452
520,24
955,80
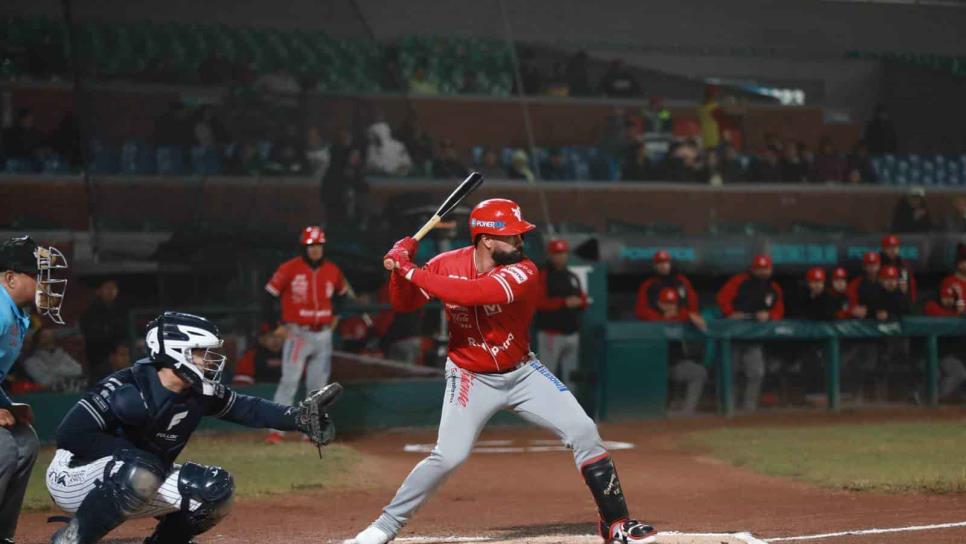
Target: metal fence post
932,370
833,374
726,402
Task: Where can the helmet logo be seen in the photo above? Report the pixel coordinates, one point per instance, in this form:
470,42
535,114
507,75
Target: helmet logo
517,213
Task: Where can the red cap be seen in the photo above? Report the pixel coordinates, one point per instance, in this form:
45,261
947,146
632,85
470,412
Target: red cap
558,245
871,257
947,292
890,240
498,216
668,295
312,235
840,274
662,256
815,274
761,262
889,272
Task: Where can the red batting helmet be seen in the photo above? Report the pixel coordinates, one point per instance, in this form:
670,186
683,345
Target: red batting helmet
840,274
662,256
871,258
498,216
889,272
312,235
815,274
761,262
558,245
668,295
890,240
947,292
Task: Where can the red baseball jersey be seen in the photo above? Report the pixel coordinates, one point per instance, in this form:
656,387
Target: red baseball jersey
307,292
489,314
957,284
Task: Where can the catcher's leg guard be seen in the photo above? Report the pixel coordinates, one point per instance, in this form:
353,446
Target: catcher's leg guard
213,487
130,481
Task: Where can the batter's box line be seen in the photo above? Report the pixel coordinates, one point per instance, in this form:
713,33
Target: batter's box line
744,537
860,532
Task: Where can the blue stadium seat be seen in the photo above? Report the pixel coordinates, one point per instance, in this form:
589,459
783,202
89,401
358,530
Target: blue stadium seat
205,160
170,159
103,159
20,166
55,164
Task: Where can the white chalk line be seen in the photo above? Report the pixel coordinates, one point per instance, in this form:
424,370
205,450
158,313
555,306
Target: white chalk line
745,537
860,532
505,446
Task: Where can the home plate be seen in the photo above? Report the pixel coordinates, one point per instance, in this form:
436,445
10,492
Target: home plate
662,538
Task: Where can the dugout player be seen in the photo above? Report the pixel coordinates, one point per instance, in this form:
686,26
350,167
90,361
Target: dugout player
27,272
957,280
684,370
559,307
647,294
952,349
306,286
752,295
490,290
890,257
838,293
116,448
864,288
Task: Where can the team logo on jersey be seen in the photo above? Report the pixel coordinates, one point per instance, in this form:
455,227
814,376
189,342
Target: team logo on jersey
491,309
516,273
177,419
300,288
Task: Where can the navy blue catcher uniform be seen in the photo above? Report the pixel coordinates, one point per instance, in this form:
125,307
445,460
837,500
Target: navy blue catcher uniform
116,448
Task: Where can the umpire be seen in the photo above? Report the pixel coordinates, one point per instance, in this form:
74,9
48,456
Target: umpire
25,272
558,317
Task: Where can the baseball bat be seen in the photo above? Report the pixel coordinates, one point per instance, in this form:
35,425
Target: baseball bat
474,180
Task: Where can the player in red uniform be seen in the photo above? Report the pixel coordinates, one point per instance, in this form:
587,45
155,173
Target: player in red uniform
957,280
306,286
890,257
647,309
490,292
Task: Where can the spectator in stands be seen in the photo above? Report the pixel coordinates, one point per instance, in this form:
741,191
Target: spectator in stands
287,157
813,303
862,290
52,367
618,82
419,82
556,84
103,326
956,220
880,133
419,144
767,167
66,140
578,79
732,171
386,155
316,152
208,130
911,213
683,369
647,309
245,161
554,168
447,164
793,168
561,303
710,117
829,164
636,165
838,293
344,188
712,168
951,305
657,117
752,295
490,165
684,163
23,141
890,257
859,168
520,166
261,363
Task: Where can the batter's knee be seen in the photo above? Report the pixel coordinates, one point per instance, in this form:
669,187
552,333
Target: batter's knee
584,438
450,459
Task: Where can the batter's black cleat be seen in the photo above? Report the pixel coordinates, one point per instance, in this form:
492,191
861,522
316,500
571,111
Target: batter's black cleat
628,531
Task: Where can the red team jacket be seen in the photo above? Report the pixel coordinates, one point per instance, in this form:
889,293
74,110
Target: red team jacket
307,292
489,315
646,308
744,293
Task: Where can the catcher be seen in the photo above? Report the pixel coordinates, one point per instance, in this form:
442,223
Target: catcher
117,446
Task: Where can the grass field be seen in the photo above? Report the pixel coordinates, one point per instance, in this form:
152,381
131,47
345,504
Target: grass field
919,457
259,469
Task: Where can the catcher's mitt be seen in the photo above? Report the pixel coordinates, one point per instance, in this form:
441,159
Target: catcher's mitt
311,418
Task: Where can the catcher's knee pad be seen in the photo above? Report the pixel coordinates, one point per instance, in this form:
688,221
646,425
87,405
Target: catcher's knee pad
213,488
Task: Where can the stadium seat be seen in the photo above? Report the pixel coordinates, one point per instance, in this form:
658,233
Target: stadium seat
170,160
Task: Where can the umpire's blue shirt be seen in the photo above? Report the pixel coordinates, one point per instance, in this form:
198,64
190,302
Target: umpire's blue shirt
14,323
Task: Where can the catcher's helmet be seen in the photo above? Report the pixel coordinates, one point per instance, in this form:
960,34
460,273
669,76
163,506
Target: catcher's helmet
171,339
499,217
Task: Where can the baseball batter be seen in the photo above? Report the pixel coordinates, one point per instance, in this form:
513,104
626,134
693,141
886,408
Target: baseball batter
116,448
306,286
490,291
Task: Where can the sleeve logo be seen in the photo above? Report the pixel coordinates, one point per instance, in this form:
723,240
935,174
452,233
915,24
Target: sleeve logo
516,273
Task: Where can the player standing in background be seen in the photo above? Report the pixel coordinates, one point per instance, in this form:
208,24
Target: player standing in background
490,291
957,280
752,295
27,274
838,293
117,446
306,286
864,288
561,302
648,293
890,257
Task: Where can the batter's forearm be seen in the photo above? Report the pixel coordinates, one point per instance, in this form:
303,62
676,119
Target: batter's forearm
477,292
